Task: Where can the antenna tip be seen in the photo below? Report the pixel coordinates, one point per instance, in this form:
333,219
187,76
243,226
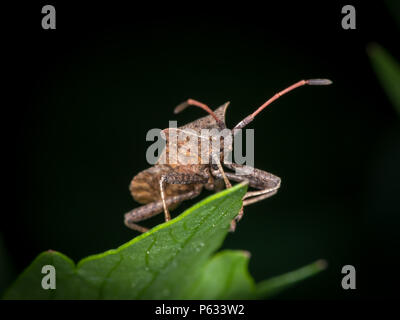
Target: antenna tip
181,107
319,82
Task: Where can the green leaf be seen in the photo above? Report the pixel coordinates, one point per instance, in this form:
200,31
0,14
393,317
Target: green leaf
234,281
387,70
273,286
171,261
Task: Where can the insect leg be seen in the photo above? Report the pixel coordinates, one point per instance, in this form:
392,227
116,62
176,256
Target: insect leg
166,211
221,171
149,210
174,177
266,183
259,198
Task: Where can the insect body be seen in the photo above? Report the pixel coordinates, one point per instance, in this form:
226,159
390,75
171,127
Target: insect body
170,181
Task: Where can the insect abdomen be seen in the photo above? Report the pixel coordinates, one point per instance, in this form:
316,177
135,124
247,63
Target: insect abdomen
145,186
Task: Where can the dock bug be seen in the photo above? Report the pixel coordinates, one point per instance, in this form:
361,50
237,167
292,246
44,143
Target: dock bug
181,175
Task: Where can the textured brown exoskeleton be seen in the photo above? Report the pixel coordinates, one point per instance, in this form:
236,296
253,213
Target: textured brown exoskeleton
165,185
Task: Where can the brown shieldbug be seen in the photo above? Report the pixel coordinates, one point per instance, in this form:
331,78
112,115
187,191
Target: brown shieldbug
169,182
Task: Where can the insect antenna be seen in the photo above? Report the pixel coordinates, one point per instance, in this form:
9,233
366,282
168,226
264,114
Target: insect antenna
311,82
192,102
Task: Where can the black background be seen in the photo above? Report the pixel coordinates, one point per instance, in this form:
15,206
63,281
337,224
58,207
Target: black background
83,97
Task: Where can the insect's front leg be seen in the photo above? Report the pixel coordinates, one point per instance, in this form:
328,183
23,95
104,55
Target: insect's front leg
149,210
267,183
215,158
